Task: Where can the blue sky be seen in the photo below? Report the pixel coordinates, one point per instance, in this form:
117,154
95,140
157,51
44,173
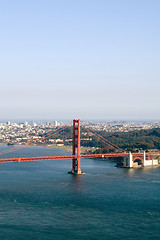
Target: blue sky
92,59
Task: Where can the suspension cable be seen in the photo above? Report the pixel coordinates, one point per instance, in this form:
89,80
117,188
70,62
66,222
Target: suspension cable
102,138
31,143
96,135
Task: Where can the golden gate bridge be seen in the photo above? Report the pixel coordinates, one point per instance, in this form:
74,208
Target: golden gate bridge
130,158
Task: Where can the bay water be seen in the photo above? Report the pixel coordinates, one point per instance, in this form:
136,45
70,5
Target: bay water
40,200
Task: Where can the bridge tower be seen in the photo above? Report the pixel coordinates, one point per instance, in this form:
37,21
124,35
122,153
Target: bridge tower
76,161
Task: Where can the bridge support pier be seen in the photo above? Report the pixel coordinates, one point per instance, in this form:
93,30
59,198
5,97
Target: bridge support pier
76,161
128,161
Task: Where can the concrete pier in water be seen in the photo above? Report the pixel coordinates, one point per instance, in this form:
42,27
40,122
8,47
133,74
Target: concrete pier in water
133,161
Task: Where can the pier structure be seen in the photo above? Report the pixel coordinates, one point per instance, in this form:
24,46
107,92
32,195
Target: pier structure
144,159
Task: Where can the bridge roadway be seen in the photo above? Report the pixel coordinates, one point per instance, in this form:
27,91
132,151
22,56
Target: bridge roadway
138,155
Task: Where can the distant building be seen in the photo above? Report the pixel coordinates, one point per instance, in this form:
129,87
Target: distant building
26,123
48,124
21,125
33,124
56,123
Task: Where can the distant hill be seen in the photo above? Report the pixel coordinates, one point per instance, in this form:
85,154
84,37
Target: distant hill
130,141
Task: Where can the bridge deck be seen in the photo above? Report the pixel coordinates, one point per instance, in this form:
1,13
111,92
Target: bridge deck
73,157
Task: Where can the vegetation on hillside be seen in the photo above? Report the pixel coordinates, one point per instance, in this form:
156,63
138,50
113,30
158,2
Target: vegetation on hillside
129,141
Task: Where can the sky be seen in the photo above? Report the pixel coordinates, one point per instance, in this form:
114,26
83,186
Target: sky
87,59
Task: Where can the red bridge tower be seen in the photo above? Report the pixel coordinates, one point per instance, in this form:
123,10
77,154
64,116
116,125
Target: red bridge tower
76,161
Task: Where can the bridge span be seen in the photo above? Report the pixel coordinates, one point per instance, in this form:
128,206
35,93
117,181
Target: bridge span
63,157
129,159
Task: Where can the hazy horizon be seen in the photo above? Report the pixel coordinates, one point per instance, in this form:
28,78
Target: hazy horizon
70,120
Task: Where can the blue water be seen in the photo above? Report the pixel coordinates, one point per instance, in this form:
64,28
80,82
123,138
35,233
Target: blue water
39,200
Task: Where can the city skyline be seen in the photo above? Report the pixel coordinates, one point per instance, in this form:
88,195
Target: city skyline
93,60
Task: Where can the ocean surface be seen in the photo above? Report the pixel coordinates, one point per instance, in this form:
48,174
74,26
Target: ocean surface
40,201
